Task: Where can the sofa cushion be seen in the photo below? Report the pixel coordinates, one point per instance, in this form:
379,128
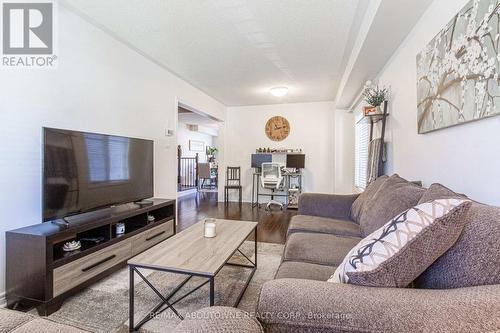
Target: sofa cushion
397,253
394,196
316,248
366,196
303,270
40,325
439,191
323,225
9,319
474,260
319,306
20,322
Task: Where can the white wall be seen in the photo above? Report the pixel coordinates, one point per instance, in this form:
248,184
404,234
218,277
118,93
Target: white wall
183,137
312,129
100,85
464,158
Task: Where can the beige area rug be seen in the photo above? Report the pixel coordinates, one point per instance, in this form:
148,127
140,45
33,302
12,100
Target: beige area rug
104,306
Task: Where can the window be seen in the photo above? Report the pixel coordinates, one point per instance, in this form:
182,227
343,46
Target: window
362,138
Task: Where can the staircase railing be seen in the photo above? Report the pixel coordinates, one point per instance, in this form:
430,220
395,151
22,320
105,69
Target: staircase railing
187,171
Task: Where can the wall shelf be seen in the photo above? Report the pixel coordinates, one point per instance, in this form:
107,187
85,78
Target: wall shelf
373,118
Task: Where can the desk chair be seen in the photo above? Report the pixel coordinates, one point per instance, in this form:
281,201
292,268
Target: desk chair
233,182
272,179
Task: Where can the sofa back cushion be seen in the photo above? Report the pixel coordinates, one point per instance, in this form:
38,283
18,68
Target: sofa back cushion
394,196
475,258
439,191
366,196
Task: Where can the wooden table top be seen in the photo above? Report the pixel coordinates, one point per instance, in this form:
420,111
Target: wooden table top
190,252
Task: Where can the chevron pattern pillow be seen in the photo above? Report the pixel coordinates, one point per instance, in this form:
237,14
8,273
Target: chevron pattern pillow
401,250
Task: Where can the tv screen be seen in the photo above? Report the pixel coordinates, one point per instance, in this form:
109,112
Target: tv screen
87,171
258,159
296,161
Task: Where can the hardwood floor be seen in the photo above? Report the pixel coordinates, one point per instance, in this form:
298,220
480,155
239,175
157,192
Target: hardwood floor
272,225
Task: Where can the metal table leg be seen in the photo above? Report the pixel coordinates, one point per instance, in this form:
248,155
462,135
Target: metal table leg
165,303
255,263
212,292
253,187
131,300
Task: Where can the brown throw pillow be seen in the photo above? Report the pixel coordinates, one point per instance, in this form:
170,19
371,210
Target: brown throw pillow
393,197
366,196
398,252
474,260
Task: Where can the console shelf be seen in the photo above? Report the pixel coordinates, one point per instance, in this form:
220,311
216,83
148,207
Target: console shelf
40,273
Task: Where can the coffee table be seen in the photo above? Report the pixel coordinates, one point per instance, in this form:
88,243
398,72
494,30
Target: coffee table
191,254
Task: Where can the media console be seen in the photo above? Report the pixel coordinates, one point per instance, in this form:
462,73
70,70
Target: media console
39,273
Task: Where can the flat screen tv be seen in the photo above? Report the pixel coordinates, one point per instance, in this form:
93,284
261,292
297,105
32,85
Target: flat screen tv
258,159
83,172
296,161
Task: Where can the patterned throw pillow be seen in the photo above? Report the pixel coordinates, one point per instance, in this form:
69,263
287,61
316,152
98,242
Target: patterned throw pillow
397,253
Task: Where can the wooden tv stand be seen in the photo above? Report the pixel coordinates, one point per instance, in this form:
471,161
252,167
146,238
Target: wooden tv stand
39,273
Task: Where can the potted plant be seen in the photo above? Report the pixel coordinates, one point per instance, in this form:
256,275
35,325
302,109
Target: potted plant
211,151
375,96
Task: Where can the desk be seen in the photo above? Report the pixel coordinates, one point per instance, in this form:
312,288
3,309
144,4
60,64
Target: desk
256,185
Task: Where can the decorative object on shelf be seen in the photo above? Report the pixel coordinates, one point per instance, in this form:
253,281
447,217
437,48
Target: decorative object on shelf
367,110
120,229
151,218
278,150
210,226
277,128
374,96
195,145
71,246
458,72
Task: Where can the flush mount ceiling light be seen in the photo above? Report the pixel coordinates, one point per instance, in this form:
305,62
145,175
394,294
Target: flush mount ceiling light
278,91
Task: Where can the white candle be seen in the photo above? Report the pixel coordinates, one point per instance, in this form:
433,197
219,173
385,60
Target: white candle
210,229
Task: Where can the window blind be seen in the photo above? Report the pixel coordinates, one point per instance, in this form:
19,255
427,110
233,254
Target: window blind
362,138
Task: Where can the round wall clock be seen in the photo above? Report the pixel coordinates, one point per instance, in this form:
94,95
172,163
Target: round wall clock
277,128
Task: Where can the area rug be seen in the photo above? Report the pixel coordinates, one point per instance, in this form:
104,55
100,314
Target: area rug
103,307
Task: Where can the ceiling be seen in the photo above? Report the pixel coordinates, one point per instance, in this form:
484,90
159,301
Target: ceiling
188,117
236,50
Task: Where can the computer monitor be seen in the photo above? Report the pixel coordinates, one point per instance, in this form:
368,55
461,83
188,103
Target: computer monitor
296,161
258,159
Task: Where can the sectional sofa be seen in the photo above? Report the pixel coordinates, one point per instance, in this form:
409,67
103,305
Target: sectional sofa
19,322
460,292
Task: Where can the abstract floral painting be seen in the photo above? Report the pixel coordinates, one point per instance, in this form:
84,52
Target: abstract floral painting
458,72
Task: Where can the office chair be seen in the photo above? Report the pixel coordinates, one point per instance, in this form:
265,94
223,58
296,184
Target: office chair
272,179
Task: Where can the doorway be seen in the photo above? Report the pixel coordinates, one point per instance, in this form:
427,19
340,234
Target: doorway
197,154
